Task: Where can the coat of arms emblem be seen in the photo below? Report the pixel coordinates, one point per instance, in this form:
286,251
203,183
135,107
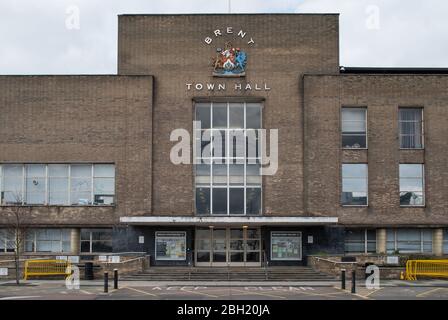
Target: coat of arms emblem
230,62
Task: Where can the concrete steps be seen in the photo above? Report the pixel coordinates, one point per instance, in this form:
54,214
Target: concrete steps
229,274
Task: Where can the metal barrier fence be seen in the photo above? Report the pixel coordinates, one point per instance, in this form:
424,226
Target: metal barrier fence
426,268
46,268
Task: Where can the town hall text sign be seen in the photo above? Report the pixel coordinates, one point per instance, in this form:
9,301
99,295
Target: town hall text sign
230,61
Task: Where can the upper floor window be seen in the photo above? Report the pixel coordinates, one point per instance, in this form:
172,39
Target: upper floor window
354,184
354,128
411,128
412,184
57,184
228,169
7,240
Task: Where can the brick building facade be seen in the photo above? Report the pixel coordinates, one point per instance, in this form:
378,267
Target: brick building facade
361,152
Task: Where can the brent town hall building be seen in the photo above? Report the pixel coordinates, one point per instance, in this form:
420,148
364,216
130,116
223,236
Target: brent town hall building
146,160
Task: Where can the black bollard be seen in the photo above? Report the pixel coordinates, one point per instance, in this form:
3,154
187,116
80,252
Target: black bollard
353,281
343,279
106,282
116,279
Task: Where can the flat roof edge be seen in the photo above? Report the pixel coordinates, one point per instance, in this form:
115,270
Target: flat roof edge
226,14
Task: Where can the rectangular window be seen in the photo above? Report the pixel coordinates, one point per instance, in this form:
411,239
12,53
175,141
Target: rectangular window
354,128
360,241
411,128
286,246
354,185
228,170
57,184
48,240
12,192
7,240
409,241
96,240
412,185
171,246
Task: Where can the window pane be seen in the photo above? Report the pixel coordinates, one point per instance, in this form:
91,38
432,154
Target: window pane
219,138
353,114
219,115
411,170
104,170
253,201
104,186
236,115
13,183
411,129
236,201
354,198
58,170
58,191
220,201
219,174
81,170
203,114
354,141
411,198
35,190
101,246
253,116
236,143
253,174
236,173
203,174
354,185
81,189
203,200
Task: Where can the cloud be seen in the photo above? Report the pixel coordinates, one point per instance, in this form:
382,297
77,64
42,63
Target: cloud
35,39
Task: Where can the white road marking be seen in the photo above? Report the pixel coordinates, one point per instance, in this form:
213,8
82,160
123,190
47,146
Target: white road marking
19,297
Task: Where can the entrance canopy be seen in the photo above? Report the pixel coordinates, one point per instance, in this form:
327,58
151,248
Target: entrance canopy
229,221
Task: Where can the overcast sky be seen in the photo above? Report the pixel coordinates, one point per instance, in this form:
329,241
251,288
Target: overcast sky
44,37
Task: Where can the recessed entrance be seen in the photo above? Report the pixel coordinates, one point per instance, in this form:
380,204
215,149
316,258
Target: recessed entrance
228,247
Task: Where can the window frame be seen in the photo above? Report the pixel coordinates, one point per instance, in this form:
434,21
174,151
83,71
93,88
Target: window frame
423,205
34,240
422,241
366,242
227,158
91,240
366,123
422,122
342,186
47,178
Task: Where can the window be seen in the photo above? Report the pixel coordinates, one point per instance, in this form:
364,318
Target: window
48,240
360,241
228,157
57,184
354,128
409,241
411,128
412,185
171,246
286,246
96,240
354,185
12,192
7,240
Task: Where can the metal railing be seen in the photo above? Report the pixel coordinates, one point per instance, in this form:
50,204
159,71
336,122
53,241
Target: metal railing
46,268
426,268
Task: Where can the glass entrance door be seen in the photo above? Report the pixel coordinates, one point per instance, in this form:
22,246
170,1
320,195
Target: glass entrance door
228,247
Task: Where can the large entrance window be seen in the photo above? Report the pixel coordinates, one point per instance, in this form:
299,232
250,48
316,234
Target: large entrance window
228,157
228,247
